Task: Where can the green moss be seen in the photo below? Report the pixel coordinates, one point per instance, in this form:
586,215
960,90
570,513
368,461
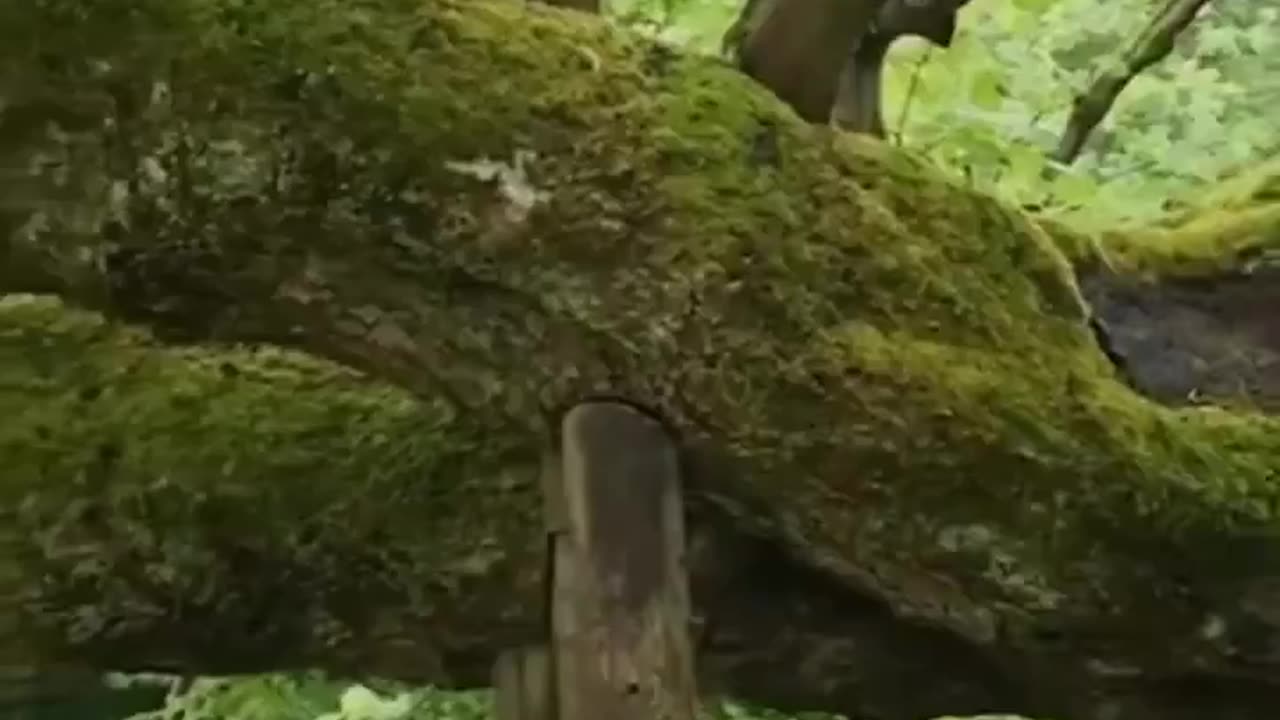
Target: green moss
167,485
1206,244
1082,249
1232,226
892,358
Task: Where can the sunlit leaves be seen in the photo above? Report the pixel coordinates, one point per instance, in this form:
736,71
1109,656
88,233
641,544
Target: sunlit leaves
1184,122
1033,6
994,105
985,92
696,26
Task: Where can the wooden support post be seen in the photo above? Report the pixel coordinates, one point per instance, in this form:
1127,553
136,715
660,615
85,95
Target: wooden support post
522,685
620,600
524,680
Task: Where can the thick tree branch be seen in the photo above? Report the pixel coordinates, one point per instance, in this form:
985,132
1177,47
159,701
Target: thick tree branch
883,377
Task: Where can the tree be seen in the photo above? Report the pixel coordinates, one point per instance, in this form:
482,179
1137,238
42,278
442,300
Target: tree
912,464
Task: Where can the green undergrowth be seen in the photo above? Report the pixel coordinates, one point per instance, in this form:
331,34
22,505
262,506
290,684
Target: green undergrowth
312,697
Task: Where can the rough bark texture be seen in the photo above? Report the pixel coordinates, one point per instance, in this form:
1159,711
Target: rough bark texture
798,48
918,484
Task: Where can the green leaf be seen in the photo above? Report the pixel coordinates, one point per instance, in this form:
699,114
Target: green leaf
984,90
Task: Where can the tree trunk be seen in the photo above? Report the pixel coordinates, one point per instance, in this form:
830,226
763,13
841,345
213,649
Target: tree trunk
799,48
917,482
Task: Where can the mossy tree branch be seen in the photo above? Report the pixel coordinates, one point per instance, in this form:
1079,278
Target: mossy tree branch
503,209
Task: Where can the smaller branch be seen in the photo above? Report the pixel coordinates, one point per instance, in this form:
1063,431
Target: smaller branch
1153,45
911,95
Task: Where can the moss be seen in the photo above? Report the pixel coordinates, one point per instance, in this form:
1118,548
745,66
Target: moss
890,356
1233,226
184,496
1084,250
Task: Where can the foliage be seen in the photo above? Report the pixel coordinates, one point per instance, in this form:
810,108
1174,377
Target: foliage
992,106
312,697
694,25
996,102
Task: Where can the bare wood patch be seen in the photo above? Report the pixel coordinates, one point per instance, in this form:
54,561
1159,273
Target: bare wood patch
620,612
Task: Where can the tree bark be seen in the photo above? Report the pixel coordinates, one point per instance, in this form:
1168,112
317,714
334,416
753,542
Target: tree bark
917,483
